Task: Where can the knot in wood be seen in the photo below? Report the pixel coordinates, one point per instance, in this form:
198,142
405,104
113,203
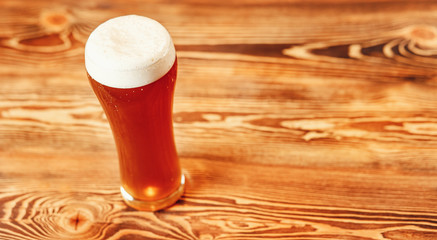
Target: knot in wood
424,36
76,219
56,20
423,33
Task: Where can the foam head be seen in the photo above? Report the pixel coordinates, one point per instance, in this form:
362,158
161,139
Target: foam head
129,51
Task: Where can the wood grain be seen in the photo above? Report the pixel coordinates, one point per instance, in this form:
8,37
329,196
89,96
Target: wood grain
293,120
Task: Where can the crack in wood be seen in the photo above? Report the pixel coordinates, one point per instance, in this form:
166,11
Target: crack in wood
76,221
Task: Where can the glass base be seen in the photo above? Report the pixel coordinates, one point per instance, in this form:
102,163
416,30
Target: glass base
153,205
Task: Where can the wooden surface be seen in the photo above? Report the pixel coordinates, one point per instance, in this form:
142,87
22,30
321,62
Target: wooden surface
293,120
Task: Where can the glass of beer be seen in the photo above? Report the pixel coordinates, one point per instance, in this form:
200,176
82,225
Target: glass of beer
131,65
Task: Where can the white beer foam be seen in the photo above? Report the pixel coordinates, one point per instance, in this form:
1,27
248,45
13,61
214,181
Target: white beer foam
129,51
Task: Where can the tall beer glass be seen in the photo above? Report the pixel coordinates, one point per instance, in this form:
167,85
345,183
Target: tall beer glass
131,65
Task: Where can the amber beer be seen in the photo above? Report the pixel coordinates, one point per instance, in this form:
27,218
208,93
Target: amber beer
132,66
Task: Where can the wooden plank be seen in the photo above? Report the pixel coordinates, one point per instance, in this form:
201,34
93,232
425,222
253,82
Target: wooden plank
293,120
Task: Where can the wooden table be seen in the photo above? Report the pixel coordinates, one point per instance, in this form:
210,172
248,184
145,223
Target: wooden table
293,120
